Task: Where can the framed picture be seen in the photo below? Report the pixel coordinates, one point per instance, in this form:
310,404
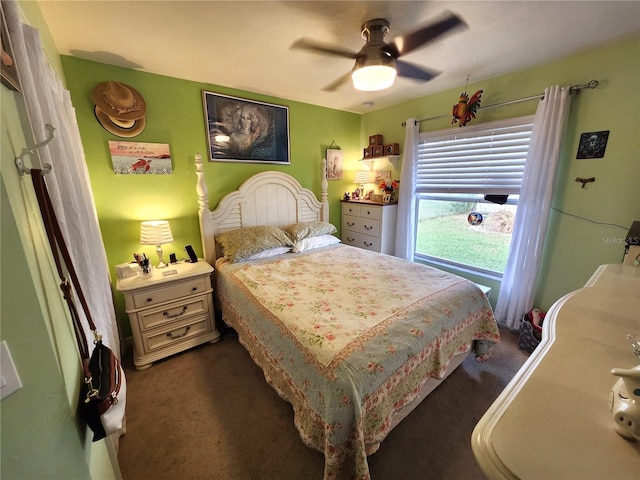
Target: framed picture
7,65
137,158
241,130
592,144
334,164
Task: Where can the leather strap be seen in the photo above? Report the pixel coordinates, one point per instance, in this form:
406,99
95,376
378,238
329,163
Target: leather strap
59,248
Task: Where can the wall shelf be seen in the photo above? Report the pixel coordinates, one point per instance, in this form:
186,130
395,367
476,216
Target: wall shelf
393,159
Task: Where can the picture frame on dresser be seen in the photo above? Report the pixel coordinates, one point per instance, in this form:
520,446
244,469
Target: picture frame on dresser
246,131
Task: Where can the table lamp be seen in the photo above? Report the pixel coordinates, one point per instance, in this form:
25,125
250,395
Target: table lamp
361,177
156,232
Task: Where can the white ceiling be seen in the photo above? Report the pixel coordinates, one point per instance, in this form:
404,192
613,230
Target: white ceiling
245,44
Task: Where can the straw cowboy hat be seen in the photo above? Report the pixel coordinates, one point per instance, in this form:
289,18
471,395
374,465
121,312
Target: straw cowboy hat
119,108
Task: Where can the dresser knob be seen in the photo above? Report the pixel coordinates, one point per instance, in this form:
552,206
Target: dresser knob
368,227
193,289
149,299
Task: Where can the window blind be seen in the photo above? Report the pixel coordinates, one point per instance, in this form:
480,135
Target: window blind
488,158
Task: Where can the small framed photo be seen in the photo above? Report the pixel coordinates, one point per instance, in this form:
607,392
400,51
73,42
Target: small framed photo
386,198
246,131
592,144
334,164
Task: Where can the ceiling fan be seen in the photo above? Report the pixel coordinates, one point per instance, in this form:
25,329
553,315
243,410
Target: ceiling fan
377,63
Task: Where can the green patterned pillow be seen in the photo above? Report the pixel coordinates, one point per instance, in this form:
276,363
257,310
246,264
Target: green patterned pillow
242,243
302,230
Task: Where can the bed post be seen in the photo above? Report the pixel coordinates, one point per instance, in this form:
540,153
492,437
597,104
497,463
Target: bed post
324,186
206,227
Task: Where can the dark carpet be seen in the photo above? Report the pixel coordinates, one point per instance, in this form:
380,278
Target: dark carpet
208,413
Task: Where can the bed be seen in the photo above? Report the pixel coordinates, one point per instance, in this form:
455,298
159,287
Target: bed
354,340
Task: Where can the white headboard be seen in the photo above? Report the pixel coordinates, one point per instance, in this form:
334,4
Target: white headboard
267,198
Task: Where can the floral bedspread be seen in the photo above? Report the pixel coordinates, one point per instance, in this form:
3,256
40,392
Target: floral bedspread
348,337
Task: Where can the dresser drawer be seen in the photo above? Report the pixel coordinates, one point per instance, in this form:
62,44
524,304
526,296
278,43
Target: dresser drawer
162,338
371,211
350,209
360,240
368,226
177,290
152,317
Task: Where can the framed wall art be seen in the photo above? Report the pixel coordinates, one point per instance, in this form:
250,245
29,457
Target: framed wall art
592,144
138,158
241,130
334,164
8,71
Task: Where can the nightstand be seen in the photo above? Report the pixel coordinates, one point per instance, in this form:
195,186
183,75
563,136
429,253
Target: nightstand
369,225
170,310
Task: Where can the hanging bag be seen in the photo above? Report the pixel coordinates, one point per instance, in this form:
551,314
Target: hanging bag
103,390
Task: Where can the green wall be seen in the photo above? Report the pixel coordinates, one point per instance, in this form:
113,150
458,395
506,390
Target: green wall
175,116
574,247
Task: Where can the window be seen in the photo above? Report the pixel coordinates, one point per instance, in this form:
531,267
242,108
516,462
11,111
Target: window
455,170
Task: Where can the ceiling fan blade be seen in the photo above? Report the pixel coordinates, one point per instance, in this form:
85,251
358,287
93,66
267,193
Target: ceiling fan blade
407,43
414,72
337,83
322,48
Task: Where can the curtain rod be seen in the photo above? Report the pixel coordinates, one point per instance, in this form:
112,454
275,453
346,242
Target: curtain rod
574,88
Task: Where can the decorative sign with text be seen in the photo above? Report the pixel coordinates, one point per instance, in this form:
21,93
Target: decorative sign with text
140,158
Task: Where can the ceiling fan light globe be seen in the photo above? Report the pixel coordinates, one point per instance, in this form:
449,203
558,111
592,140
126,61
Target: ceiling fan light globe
373,78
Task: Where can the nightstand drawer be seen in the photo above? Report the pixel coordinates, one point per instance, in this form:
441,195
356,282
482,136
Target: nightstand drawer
176,290
176,311
368,226
165,337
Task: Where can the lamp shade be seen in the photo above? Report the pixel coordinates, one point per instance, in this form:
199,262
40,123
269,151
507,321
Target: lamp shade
363,176
155,232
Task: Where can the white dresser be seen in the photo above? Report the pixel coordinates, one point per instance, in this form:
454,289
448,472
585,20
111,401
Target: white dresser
170,310
553,420
369,225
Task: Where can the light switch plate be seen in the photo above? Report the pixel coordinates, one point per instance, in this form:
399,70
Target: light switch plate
10,379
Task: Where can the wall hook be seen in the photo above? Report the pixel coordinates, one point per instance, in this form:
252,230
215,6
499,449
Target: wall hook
46,168
584,181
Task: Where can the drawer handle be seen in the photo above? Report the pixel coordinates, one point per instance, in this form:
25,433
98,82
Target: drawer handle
149,299
368,212
351,224
367,244
367,227
194,289
349,239
175,337
169,315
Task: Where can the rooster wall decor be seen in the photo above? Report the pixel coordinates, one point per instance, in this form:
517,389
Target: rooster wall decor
466,108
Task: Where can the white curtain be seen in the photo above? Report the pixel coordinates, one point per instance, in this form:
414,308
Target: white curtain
530,228
406,218
48,102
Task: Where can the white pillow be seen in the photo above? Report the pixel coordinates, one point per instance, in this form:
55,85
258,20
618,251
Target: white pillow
314,242
271,252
